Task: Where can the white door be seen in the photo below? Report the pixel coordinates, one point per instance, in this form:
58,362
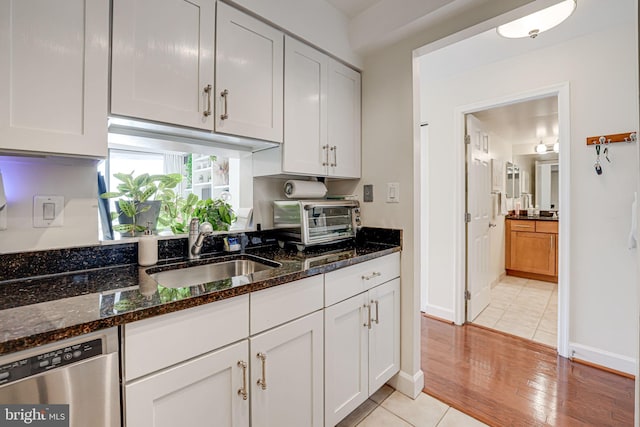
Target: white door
479,208
287,374
249,76
162,61
344,121
305,149
205,391
384,335
54,63
346,357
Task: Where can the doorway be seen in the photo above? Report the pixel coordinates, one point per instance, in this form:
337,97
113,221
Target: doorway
511,165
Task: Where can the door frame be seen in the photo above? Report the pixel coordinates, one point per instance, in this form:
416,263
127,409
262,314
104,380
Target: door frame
562,91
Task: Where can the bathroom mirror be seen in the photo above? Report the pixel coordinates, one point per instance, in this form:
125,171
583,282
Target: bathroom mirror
547,194
513,181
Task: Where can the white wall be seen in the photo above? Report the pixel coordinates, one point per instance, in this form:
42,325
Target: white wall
388,155
75,179
603,322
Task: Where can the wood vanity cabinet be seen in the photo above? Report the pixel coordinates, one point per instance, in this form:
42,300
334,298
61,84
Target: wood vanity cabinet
532,249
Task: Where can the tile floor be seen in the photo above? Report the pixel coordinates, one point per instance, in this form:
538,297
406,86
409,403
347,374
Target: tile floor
523,307
389,408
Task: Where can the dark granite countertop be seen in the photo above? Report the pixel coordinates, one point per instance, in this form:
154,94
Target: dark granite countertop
532,218
48,308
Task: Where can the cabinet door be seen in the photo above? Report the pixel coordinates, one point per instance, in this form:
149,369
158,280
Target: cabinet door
162,61
206,391
54,76
346,357
344,121
249,74
384,337
305,149
287,374
533,252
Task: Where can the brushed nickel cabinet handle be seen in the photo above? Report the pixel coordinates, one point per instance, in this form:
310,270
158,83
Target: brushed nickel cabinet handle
325,148
376,302
262,382
225,95
368,322
207,90
372,276
552,242
335,156
243,391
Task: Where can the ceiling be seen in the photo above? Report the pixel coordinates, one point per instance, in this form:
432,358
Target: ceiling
524,122
352,8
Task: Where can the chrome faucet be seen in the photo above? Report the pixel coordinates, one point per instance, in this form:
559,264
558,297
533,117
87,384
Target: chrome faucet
197,233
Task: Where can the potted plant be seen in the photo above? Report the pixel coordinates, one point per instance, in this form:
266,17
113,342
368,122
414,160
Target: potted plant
136,205
215,211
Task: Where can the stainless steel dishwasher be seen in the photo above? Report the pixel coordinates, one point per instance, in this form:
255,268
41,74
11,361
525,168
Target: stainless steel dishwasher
81,372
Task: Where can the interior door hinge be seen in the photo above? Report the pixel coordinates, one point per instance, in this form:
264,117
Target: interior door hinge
467,295
467,217
467,139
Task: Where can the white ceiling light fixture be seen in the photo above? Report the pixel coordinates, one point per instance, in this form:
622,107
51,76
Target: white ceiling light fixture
556,147
538,22
541,148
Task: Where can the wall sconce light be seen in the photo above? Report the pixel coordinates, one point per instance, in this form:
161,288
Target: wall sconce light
542,148
538,22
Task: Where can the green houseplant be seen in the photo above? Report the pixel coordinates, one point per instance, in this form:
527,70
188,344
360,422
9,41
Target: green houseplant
137,204
215,211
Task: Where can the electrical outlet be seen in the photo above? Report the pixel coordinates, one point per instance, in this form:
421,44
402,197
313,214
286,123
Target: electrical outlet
367,195
48,211
393,192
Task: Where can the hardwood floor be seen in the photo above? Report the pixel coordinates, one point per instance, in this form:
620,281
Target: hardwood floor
509,381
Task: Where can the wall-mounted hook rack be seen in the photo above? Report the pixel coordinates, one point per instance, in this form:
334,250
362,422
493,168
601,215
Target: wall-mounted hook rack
616,137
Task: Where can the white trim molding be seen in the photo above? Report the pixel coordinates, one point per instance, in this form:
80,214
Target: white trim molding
407,384
560,90
603,358
439,312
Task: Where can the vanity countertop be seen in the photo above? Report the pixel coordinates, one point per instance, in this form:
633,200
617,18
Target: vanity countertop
48,308
532,218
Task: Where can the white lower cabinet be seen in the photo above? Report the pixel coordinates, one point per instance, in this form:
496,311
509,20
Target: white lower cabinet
362,334
205,391
271,358
287,374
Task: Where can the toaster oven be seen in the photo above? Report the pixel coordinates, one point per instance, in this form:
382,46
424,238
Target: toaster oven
314,222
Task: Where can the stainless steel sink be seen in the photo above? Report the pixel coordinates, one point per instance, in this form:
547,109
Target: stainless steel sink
200,274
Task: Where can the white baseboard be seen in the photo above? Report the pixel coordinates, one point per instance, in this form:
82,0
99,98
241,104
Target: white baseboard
440,312
603,358
407,384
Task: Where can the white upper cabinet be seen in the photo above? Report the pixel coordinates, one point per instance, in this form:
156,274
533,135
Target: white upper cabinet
321,118
249,76
162,65
344,121
306,73
54,76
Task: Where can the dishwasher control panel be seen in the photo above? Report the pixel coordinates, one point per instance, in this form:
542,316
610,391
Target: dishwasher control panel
43,362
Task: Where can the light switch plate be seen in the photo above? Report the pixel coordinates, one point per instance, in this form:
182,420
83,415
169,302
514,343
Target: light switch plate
367,195
48,211
393,192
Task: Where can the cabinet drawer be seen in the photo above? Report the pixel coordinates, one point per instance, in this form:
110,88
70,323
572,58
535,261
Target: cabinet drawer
522,225
158,342
278,305
347,282
547,227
